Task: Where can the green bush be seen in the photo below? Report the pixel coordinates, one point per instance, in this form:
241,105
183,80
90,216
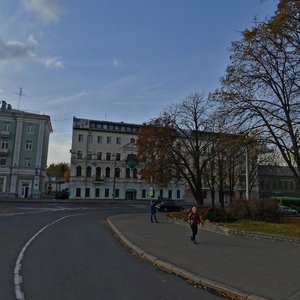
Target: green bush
215,214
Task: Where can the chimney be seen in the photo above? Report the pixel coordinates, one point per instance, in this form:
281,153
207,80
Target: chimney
3,106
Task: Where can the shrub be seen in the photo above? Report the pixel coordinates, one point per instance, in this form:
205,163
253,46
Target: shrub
256,209
215,214
212,214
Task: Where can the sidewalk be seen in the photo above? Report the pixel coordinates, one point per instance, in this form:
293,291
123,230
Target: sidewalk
244,268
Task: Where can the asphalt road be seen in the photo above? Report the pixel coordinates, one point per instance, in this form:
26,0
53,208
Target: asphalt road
67,251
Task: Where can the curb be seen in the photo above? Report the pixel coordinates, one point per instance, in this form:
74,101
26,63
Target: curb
191,277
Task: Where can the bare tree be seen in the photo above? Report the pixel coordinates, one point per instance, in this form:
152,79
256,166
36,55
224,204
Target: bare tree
261,88
176,145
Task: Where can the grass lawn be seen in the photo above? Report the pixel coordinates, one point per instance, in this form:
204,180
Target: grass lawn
289,227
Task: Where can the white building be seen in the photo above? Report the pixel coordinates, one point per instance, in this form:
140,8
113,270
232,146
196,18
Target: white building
103,164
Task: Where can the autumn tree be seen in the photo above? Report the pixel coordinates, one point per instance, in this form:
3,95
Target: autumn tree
59,170
175,146
261,88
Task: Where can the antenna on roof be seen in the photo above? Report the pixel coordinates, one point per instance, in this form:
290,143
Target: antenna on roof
20,95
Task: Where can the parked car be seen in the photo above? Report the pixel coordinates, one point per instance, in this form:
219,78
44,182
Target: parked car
165,206
63,194
287,211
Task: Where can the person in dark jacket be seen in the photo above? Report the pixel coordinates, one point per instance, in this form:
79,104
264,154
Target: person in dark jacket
153,211
194,220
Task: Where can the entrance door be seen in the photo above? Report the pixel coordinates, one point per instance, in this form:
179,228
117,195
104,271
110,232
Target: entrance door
25,190
130,195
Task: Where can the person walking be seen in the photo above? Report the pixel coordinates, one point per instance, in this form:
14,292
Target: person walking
194,220
153,211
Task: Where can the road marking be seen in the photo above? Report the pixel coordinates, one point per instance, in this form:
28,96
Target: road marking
46,210
18,266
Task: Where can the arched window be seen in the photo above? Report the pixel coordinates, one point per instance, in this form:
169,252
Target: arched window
134,173
88,171
107,172
127,173
78,171
98,173
117,172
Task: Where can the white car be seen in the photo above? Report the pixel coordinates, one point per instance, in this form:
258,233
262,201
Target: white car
285,210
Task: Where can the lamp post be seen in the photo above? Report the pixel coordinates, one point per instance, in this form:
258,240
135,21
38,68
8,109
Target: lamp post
247,173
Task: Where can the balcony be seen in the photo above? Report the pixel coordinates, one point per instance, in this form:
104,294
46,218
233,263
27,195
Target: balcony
4,134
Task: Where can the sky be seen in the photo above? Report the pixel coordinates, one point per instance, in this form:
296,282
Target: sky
114,60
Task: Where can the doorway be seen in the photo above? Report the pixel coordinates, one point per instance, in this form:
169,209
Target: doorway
25,192
130,195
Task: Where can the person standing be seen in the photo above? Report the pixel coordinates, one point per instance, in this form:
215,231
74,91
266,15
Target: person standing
194,220
153,211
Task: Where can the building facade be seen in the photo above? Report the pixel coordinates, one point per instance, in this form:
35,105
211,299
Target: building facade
277,181
104,165
24,140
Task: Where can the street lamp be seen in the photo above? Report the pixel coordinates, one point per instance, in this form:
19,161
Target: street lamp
247,172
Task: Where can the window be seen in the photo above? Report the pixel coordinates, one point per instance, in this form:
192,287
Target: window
79,154
2,162
99,139
2,186
117,193
90,139
98,173
28,145
170,194
80,137
292,185
87,192
27,162
88,171
178,193
6,126
108,140
30,129
161,194
106,193
107,172
134,175
89,155
78,192
127,173
78,171
118,156
97,192
118,140
117,172
132,140
108,156
144,193
4,145
99,155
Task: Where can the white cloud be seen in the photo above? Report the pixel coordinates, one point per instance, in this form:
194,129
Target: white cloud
46,10
16,49
12,50
68,99
52,62
116,63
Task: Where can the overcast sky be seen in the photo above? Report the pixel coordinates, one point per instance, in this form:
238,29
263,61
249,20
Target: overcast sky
116,60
